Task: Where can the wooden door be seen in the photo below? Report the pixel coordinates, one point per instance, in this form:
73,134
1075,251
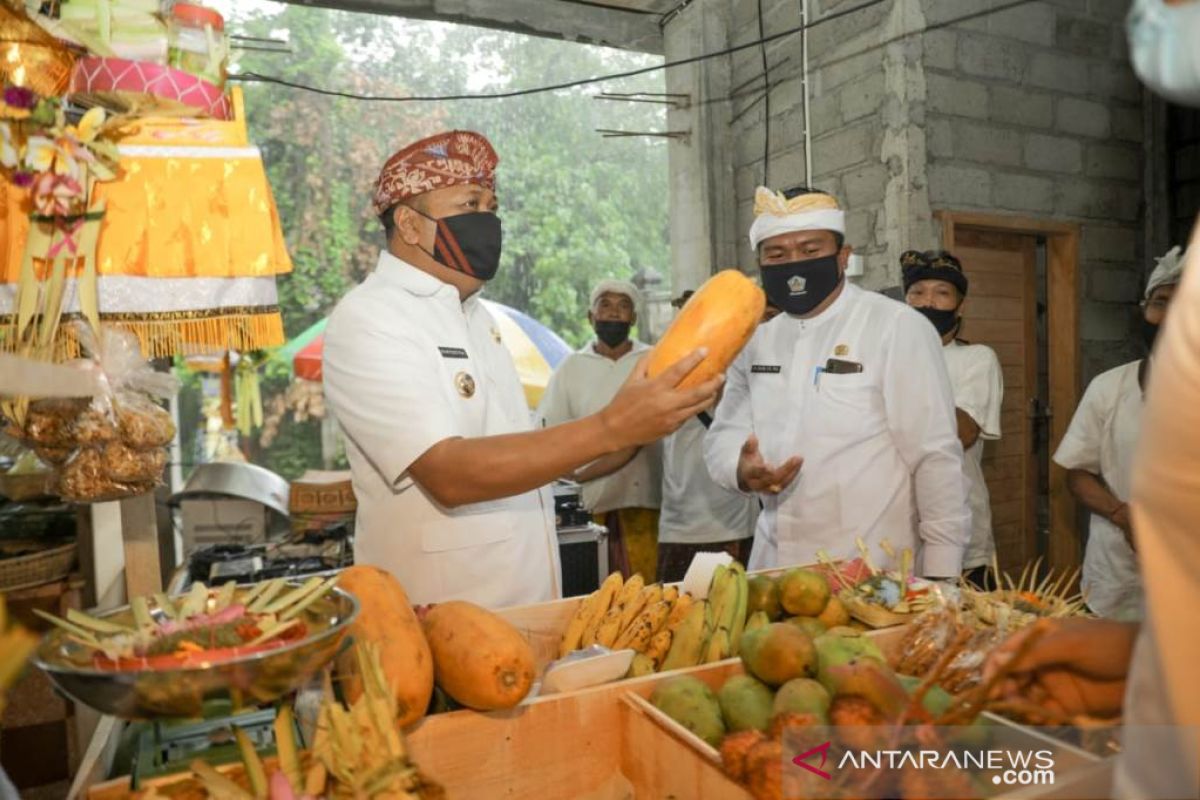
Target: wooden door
1001,313
1000,254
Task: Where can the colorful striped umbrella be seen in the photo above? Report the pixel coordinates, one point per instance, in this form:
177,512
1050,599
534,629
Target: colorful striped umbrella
536,350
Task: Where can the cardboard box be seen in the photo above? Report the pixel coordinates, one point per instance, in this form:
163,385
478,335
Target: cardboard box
222,520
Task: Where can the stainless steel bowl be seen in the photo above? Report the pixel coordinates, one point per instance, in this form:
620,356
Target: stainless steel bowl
181,692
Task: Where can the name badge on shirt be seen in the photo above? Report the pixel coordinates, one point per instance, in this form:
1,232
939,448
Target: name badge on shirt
766,369
452,352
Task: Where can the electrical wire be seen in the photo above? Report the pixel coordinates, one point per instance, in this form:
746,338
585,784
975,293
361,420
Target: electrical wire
762,35
254,77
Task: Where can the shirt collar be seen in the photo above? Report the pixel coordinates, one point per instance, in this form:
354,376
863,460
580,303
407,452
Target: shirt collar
589,349
398,272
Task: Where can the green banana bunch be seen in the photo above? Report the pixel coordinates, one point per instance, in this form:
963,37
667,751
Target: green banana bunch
690,638
728,595
743,608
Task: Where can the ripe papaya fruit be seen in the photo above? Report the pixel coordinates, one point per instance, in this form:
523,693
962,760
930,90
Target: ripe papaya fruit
721,316
387,620
479,659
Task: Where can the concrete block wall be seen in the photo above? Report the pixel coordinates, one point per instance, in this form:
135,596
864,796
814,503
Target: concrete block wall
1035,111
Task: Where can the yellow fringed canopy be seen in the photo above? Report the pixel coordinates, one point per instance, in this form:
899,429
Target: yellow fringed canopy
190,243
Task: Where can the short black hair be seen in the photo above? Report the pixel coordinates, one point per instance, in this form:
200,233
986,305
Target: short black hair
388,218
798,191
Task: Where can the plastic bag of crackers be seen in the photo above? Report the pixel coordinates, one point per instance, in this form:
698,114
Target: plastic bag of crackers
112,445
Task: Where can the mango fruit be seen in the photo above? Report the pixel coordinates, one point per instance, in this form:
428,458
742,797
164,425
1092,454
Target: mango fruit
758,619
871,681
693,705
803,592
746,704
841,646
835,613
803,696
764,596
810,625
779,653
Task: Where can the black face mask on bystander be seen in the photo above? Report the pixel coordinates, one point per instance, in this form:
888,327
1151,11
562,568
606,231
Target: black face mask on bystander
612,332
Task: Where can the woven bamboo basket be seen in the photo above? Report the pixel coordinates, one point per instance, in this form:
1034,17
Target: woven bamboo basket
51,562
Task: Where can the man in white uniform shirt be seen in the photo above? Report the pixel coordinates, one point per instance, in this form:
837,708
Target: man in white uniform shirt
936,286
851,385
449,478
1098,452
624,490
698,515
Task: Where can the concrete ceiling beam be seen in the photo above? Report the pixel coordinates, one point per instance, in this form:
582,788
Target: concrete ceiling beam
573,20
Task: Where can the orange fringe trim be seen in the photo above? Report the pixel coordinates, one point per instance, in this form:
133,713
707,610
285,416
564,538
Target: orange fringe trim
161,338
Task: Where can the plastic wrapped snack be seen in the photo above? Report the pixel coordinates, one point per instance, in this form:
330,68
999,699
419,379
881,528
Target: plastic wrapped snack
128,465
142,423
111,445
97,424
51,423
53,455
85,479
926,640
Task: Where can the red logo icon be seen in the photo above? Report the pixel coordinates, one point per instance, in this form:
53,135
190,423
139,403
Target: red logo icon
802,760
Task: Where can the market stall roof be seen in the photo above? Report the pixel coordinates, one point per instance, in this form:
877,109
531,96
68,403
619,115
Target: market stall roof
628,24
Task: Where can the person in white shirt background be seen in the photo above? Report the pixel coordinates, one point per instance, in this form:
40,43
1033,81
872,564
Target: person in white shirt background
1098,452
452,484
698,516
623,490
936,286
839,412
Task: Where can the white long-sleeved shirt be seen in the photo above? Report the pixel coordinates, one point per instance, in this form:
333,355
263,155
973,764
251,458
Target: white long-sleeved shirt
583,384
409,364
882,459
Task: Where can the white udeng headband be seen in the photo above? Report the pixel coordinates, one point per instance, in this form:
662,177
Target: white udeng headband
825,219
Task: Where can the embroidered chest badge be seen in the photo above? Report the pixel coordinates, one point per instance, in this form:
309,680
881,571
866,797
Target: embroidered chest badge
465,384
842,350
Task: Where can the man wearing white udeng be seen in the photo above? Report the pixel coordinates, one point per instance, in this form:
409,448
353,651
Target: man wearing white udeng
847,392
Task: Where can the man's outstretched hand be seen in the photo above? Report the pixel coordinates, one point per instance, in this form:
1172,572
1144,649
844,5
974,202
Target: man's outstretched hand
754,474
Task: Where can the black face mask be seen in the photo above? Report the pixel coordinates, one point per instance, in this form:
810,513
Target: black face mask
800,286
1149,332
612,332
945,321
468,243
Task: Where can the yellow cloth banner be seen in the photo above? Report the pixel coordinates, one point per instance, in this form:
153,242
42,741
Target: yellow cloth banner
191,215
